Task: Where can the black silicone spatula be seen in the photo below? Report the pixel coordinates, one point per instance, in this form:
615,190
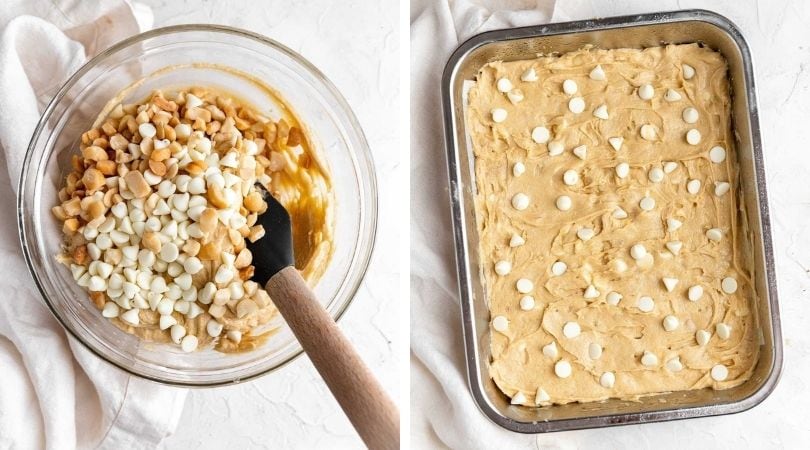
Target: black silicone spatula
372,413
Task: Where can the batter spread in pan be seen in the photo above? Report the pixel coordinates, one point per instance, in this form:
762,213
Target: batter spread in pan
612,238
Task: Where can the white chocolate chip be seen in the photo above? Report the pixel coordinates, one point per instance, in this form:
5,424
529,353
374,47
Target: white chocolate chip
594,350
672,95
166,321
719,372
234,335
674,247
702,337
97,284
558,268
563,203
591,292
671,323
607,380
618,265
504,85
524,286
695,293
585,233
540,135
571,330
192,265
562,369
616,142
619,213
213,328
723,331
647,203
503,268
110,310
714,234
670,283
717,154
189,343
656,175
622,170
693,136
569,87
646,92
720,188
550,350
223,275
601,112
645,304
638,251
498,115
693,187
500,324
529,75
576,105
131,317
570,177
580,151
674,364
527,303
518,169
649,359
541,397
119,210
520,201
729,285
670,166
516,241
147,130
690,115
688,71
518,399
555,148
673,224
515,96
649,132
192,101
613,298
597,73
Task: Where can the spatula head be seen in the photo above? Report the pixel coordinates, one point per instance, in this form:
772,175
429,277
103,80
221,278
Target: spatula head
273,251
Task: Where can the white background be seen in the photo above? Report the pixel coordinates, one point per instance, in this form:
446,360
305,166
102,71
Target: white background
777,32
356,44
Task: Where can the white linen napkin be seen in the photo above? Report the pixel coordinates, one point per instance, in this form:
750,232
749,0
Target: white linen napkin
440,398
55,394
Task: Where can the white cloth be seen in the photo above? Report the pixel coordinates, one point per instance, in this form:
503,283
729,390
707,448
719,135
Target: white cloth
55,394
440,398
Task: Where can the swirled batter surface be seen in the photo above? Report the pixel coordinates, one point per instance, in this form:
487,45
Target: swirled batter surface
602,293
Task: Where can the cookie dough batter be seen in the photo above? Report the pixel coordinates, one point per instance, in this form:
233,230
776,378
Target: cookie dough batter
611,238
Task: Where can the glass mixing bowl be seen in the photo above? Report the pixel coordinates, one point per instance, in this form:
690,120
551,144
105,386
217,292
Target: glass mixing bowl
333,129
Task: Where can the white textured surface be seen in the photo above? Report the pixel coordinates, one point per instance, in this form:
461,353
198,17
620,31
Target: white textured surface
355,43
776,33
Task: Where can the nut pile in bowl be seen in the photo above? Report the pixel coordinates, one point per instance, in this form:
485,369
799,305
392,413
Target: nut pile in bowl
158,207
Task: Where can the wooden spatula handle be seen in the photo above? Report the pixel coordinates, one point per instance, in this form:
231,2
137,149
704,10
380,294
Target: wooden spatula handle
373,414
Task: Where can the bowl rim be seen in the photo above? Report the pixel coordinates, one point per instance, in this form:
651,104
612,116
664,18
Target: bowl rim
360,156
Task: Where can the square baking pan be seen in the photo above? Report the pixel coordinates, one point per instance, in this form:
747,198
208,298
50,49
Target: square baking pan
638,31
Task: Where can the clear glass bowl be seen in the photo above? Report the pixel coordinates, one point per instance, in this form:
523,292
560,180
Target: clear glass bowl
333,128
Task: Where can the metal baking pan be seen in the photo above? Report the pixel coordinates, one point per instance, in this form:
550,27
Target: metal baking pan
638,31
